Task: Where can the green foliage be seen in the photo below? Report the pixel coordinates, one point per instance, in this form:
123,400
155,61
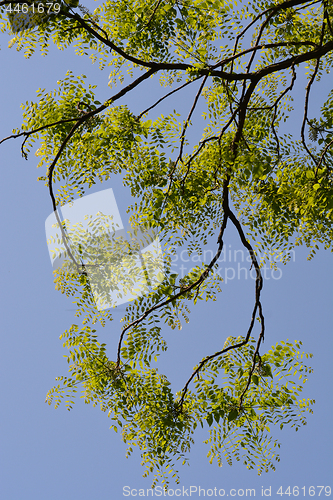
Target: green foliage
272,398
141,403
240,62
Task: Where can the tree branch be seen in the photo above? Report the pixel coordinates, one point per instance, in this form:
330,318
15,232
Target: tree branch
258,287
167,95
183,135
322,156
34,131
190,287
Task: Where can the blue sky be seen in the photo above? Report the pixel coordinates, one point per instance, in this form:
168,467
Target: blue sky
55,454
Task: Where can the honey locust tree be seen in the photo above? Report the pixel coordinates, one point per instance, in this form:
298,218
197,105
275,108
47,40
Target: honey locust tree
240,62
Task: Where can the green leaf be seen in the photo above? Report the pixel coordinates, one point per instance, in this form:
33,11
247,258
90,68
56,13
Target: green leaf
209,419
233,414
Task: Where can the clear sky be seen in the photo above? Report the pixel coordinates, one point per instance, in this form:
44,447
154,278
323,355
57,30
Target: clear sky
56,454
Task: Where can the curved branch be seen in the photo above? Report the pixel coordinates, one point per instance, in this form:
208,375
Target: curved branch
263,46
152,15
73,130
27,134
328,20
190,287
183,135
283,5
256,353
322,156
165,96
84,118
258,287
106,41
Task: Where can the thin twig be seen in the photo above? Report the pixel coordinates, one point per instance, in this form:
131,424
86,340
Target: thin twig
152,15
34,131
182,141
258,287
185,289
165,96
256,353
322,156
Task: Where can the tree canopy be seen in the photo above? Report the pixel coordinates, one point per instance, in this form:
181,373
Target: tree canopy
239,61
